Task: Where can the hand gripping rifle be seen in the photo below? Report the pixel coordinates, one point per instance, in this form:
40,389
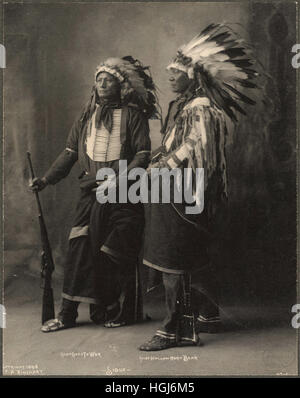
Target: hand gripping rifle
47,264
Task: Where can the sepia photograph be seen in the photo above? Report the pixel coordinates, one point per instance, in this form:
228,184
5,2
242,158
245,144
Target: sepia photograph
149,189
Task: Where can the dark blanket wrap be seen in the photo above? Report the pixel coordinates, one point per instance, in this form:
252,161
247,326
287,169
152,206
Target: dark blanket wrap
114,231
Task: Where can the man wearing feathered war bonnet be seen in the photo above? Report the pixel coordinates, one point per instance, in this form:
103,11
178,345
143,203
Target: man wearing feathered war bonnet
105,239
208,75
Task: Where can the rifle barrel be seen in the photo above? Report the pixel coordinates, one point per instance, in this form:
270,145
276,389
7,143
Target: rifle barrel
32,177
47,260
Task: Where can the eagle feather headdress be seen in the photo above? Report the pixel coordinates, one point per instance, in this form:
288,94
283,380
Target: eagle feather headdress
222,63
136,86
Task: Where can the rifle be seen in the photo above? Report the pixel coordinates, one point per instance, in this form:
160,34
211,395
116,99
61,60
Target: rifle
47,264
186,325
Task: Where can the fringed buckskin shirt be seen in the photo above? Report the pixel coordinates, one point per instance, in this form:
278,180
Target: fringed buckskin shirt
194,137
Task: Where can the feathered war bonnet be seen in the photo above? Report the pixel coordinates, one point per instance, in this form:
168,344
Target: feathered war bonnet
222,64
136,86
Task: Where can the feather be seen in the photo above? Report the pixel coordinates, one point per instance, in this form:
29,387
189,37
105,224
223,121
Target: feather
229,76
222,63
220,37
234,52
246,83
250,72
202,37
242,63
241,96
197,41
210,51
231,44
216,98
218,57
209,28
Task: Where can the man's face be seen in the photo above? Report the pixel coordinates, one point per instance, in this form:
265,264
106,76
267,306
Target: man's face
107,86
179,80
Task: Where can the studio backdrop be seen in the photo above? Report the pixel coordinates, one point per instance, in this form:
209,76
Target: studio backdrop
52,52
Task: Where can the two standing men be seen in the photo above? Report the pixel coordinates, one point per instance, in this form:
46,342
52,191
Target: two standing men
105,240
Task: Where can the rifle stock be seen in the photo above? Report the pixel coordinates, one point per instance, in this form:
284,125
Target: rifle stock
47,301
186,325
47,264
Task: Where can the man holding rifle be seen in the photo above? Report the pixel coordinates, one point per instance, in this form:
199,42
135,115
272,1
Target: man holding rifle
105,239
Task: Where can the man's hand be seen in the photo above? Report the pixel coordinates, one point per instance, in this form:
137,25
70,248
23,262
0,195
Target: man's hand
161,164
38,184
